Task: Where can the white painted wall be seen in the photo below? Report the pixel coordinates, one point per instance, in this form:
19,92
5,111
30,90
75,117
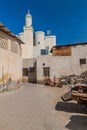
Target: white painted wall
39,43
27,37
50,41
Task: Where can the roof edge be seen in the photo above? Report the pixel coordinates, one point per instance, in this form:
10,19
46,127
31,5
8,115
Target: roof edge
8,32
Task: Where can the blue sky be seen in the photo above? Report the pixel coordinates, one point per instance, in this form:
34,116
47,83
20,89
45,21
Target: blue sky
67,19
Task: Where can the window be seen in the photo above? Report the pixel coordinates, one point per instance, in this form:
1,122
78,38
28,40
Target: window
25,71
38,43
82,61
44,52
43,64
14,47
3,42
46,71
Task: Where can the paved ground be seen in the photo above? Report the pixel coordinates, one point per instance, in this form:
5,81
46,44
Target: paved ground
38,107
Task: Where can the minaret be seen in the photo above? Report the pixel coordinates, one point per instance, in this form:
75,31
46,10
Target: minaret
27,48
28,19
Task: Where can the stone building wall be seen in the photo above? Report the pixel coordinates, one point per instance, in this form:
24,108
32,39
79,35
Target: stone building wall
10,58
63,65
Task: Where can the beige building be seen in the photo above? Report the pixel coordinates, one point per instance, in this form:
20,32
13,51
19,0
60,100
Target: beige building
65,60
10,57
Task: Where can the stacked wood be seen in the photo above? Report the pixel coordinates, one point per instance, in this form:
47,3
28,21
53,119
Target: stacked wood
67,96
78,93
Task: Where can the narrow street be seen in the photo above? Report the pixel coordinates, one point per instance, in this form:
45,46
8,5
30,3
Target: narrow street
38,107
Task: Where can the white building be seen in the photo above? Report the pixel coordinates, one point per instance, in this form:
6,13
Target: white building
27,37
36,43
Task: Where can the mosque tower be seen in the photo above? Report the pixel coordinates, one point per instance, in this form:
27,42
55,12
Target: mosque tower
28,19
27,37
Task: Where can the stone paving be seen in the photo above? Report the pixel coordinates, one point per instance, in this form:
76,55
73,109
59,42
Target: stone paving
32,107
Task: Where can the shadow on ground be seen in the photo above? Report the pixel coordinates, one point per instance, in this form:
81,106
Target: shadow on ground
77,122
71,107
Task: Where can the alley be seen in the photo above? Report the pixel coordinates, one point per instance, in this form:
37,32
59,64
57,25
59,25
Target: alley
34,107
